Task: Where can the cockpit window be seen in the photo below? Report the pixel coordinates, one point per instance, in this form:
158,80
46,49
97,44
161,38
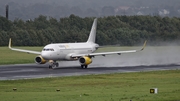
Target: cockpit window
48,49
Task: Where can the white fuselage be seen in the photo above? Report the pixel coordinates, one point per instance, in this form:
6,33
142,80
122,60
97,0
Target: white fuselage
71,51
64,51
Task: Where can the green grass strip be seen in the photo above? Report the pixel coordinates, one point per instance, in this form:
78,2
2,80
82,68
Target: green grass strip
106,87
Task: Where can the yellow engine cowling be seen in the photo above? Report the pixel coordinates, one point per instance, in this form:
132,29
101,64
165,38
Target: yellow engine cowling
85,60
40,60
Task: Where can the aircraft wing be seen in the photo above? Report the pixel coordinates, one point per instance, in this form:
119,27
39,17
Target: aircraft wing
108,53
22,50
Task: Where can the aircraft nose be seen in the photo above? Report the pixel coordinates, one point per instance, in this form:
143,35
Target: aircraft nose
45,55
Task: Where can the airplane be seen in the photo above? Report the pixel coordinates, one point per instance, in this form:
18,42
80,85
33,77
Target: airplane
82,51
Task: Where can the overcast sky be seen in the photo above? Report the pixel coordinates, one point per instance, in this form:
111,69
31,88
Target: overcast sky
25,9
92,2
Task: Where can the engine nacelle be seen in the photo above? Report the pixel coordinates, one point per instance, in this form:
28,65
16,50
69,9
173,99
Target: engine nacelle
40,60
85,60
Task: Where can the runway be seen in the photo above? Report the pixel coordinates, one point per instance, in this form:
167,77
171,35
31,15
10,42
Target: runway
28,71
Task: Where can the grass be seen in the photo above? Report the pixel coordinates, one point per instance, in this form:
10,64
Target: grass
13,57
106,87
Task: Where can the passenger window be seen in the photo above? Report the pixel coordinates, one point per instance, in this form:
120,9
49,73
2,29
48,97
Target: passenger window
48,49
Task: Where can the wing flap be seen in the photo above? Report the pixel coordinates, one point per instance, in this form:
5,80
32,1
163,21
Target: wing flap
23,50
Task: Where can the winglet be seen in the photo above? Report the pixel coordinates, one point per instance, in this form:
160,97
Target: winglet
144,45
10,43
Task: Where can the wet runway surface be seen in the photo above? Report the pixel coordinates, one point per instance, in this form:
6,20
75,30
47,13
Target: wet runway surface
27,71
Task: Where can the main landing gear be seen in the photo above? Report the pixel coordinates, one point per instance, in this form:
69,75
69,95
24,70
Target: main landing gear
84,66
53,65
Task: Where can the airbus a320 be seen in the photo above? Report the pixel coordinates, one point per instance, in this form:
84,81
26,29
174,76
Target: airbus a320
83,52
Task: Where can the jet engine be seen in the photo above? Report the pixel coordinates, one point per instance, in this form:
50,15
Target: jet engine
40,60
85,60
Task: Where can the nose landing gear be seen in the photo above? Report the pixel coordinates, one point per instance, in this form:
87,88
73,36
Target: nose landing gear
53,64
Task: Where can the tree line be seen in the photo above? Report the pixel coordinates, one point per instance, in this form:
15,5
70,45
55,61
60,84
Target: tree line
111,30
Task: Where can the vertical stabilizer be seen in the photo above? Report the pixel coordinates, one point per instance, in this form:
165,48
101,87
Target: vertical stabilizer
92,35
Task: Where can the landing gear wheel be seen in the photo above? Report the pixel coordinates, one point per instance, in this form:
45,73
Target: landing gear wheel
84,66
53,65
50,67
57,64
